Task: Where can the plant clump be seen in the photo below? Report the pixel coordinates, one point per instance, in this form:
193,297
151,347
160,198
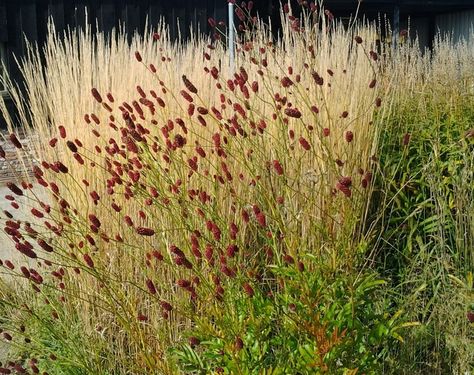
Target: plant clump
202,219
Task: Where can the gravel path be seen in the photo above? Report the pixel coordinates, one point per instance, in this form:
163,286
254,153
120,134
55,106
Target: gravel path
10,166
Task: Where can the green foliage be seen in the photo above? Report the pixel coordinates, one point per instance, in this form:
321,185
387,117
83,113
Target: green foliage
56,348
303,322
428,230
239,240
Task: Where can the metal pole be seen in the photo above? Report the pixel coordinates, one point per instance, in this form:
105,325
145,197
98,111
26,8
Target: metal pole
231,38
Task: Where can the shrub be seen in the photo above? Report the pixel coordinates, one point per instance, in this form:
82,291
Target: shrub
312,323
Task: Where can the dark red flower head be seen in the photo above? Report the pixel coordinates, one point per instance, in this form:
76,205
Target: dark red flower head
470,316
292,112
151,286
189,85
88,260
304,143
14,140
194,341
96,95
145,231
248,289
349,136
72,146
14,188
239,344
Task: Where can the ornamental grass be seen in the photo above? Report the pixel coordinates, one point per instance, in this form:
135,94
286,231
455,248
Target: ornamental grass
198,219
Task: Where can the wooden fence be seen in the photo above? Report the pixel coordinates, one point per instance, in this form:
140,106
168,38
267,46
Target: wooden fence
29,18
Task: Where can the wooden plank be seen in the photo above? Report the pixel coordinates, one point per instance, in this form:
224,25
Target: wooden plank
155,13
395,26
221,14
131,17
192,20
180,14
69,15
92,9
431,31
56,12
221,11
210,12
3,24
41,21
201,19
28,22
80,11
171,20
15,39
143,6
106,16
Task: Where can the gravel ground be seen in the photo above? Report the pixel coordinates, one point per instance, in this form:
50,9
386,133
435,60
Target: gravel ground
10,166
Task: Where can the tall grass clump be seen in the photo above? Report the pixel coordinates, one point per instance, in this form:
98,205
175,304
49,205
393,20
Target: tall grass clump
201,220
427,169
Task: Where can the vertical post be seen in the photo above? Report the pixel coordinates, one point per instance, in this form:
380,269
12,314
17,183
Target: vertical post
431,32
396,26
231,37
